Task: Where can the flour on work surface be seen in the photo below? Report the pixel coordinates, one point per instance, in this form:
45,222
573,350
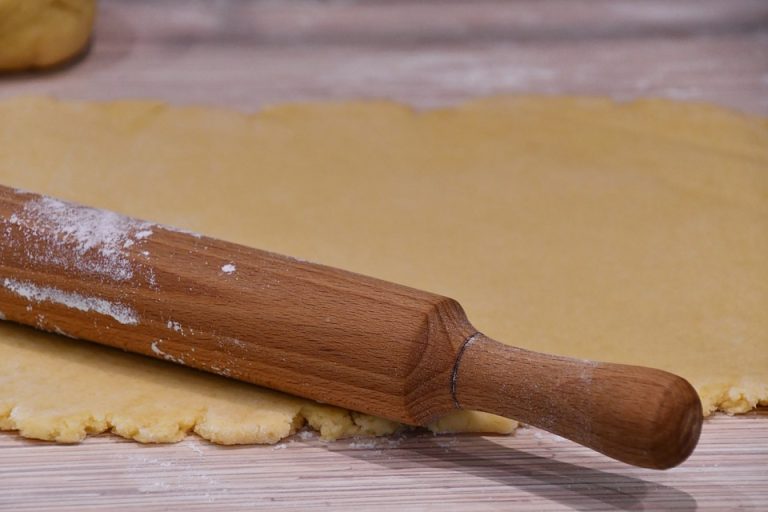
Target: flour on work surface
78,238
229,268
35,293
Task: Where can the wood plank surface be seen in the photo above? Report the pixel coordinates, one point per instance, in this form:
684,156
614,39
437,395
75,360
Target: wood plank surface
532,470
244,55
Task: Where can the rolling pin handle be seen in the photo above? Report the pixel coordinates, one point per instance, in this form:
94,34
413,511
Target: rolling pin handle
642,416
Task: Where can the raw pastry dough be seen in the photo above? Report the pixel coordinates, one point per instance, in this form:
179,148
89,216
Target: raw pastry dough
632,233
43,33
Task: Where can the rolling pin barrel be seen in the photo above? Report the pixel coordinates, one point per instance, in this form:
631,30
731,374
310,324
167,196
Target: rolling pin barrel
315,331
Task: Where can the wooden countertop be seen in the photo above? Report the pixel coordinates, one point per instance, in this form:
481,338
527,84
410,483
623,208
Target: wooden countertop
244,55
532,470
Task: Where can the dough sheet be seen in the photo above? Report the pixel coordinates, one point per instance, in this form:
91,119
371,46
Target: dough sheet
633,233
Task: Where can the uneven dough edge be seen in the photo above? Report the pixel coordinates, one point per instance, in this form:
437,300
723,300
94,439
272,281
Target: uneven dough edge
732,396
331,423
159,402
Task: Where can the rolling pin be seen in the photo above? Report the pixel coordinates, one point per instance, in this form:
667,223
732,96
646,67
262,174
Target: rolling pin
316,331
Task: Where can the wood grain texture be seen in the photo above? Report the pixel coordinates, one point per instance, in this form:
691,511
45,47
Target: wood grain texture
317,332
426,54
246,54
532,470
291,325
642,416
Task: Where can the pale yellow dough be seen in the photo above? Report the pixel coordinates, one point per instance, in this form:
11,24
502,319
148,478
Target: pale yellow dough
635,233
43,33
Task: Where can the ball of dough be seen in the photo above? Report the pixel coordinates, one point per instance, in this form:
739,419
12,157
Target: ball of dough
42,33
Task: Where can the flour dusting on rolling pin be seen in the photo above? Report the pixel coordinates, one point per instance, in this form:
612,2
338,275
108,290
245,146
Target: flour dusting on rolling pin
315,331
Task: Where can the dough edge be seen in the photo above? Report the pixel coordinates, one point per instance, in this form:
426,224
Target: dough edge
331,423
735,396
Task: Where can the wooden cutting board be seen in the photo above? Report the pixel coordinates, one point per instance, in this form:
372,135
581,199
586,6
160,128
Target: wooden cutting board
243,55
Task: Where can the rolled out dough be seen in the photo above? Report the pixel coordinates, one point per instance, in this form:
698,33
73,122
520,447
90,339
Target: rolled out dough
632,233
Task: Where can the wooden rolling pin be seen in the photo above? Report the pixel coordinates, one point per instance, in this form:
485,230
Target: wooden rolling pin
315,331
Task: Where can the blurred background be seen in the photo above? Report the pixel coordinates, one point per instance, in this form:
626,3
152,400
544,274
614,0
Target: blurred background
248,53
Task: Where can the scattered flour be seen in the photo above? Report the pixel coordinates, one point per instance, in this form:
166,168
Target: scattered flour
34,293
180,230
543,435
445,443
196,449
155,349
58,330
227,372
168,357
176,326
367,444
229,268
77,238
172,473
307,435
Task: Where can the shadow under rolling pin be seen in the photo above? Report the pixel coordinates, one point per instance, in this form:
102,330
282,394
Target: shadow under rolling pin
316,331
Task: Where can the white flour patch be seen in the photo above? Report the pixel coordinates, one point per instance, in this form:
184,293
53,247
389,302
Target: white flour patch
168,357
587,370
155,349
77,238
307,435
176,326
58,330
177,474
152,279
222,371
297,260
179,230
447,442
229,268
367,444
35,293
